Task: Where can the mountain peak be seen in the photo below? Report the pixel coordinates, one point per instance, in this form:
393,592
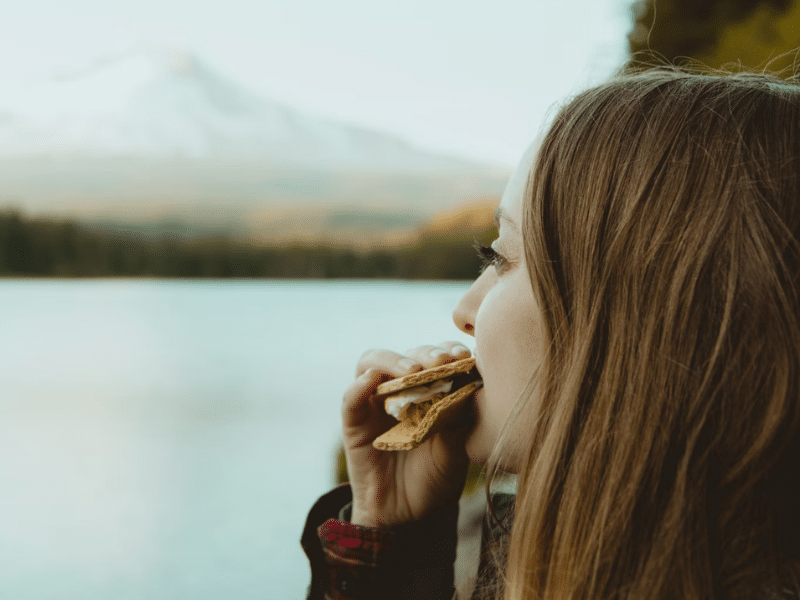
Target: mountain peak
160,101
182,62
146,60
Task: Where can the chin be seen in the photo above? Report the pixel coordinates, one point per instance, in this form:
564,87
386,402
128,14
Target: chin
476,448
480,446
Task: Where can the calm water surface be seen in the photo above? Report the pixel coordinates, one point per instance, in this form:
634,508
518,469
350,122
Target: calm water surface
165,440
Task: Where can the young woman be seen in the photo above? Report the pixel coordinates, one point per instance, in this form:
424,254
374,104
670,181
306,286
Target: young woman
637,329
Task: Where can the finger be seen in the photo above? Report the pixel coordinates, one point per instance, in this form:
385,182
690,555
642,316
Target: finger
456,349
363,416
429,356
433,356
386,362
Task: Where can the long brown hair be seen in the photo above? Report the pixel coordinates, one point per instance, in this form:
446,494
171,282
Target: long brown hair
662,235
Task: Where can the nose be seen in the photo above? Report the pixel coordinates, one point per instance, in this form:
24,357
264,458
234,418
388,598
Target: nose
467,308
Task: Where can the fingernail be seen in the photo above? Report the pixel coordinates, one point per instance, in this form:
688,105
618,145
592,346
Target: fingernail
406,364
456,350
435,353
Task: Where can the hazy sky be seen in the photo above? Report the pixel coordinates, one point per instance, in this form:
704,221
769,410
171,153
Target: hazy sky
467,77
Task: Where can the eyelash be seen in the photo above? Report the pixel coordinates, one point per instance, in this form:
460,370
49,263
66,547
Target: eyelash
491,258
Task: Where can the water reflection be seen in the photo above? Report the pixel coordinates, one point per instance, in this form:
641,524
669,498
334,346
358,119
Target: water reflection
162,439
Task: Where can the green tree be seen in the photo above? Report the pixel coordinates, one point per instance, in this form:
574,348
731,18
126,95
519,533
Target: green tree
717,32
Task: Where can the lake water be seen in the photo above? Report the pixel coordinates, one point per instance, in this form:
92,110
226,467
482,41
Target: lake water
164,440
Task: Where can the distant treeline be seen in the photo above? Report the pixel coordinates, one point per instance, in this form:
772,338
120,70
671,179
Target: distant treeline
33,247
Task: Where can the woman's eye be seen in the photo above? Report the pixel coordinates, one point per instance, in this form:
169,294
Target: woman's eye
491,258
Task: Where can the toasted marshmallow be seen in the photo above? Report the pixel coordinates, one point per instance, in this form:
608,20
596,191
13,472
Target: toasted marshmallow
395,403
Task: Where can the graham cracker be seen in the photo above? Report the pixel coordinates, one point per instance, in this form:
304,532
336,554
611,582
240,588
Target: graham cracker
406,435
424,377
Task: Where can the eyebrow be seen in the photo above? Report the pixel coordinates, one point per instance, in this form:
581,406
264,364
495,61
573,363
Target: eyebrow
499,215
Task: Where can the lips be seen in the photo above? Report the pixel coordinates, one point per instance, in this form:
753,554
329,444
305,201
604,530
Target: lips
477,364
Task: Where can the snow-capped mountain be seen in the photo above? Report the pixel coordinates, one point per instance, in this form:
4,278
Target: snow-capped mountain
170,103
151,134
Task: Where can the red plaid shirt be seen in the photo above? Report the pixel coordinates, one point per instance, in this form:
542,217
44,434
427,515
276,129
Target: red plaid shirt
350,562
353,554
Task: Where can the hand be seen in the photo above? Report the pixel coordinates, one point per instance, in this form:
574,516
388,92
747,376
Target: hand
390,488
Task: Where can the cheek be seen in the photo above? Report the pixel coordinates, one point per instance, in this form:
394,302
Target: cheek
509,346
493,327
509,343
490,419
489,325
503,336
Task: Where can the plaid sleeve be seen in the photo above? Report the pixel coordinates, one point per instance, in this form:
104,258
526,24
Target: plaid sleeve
353,554
362,563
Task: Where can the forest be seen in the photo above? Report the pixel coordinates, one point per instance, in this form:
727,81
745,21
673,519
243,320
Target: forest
37,247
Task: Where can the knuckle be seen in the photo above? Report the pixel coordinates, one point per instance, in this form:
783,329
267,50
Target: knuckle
420,348
368,360
368,354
